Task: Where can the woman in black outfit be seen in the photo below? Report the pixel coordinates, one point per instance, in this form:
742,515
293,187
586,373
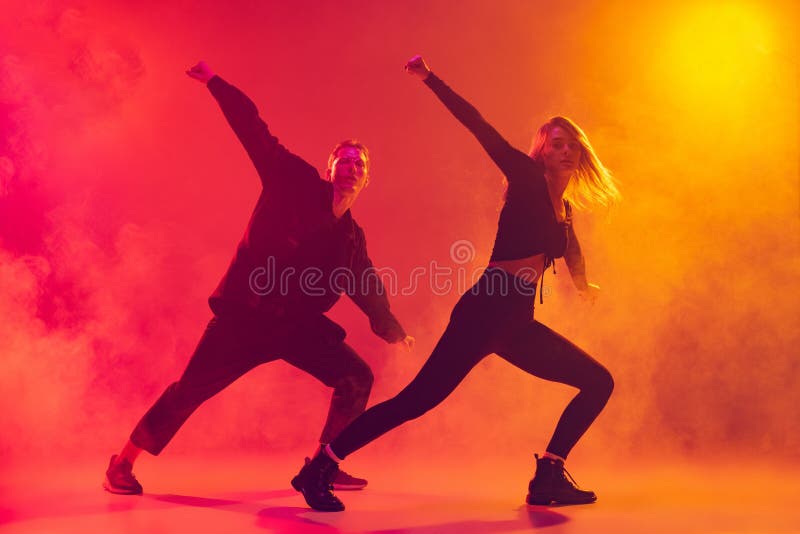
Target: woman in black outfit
496,314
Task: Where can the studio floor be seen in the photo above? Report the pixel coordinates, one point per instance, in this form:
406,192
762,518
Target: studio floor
252,494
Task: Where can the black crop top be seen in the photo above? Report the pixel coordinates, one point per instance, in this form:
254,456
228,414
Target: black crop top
528,223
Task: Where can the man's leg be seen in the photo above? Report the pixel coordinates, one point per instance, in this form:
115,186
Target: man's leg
224,353
342,369
337,366
540,351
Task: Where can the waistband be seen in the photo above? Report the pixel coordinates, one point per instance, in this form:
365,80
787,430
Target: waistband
498,281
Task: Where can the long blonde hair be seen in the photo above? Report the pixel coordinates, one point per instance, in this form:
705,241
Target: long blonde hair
593,183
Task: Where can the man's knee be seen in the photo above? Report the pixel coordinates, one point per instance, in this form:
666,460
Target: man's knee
362,375
358,381
365,376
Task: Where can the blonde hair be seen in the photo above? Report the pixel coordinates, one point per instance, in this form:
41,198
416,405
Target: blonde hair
593,184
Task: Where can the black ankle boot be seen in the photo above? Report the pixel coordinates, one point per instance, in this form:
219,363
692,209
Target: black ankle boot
551,484
315,480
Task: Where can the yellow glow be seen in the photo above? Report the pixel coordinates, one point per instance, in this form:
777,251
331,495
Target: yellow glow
717,51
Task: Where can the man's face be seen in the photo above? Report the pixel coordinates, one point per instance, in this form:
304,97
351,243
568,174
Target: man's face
348,171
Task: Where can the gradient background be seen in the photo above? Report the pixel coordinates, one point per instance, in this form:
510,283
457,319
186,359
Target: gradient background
123,194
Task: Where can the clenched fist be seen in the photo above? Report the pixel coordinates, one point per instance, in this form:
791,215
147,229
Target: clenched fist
416,66
201,72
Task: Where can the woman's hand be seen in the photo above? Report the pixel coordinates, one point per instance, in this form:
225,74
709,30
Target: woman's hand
201,72
590,294
416,66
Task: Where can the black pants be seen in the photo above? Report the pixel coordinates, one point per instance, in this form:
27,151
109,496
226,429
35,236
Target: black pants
232,345
489,319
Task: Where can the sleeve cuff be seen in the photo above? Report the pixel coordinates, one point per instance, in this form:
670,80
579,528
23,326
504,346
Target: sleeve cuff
390,330
215,84
432,80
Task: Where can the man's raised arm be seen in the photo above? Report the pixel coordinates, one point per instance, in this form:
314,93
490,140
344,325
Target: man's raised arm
270,158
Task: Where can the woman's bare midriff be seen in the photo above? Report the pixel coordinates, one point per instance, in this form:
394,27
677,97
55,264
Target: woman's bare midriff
529,269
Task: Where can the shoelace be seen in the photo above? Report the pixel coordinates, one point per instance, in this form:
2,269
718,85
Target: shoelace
563,472
326,472
569,477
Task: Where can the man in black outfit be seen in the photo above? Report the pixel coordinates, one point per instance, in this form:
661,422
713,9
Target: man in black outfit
300,251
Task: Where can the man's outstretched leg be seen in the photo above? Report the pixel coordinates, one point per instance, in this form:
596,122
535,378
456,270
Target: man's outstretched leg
225,352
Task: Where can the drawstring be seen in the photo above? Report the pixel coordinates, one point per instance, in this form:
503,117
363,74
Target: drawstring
548,261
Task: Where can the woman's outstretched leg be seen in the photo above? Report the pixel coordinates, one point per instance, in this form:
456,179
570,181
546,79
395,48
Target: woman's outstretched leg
457,352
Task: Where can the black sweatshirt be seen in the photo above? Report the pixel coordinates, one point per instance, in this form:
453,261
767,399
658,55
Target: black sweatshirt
296,257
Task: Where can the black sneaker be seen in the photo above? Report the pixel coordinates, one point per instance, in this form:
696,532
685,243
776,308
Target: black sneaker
345,481
551,485
315,481
120,479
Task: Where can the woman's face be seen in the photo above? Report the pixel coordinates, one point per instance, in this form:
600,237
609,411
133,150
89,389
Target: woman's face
562,152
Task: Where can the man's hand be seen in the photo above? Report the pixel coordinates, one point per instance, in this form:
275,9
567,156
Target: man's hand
201,72
408,342
590,294
416,66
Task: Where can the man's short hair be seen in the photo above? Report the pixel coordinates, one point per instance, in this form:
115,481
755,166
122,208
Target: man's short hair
348,143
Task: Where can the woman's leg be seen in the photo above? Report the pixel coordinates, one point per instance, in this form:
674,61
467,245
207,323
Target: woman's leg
539,351
543,353
456,353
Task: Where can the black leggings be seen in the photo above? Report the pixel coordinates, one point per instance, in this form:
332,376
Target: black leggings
494,316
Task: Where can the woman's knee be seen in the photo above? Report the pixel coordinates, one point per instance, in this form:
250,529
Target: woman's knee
603,383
